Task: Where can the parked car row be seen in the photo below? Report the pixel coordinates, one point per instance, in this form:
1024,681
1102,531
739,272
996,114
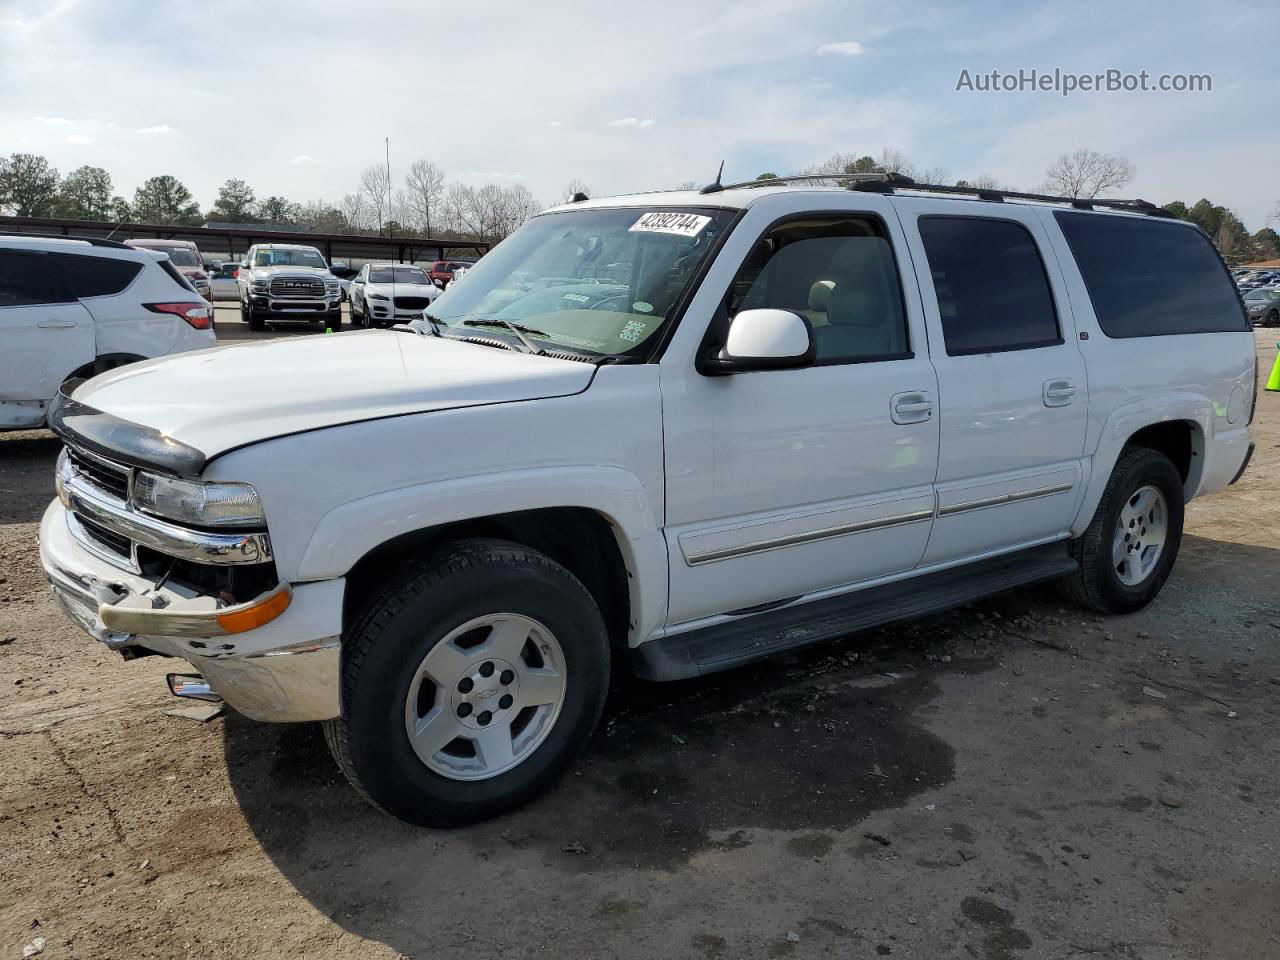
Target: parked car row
1260,291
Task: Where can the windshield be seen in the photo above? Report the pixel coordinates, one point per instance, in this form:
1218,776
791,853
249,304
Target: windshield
181,256
289,258
397,275
1261,295
603,281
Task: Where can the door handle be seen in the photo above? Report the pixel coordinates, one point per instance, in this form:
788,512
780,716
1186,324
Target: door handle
913,406
1058,393
56,324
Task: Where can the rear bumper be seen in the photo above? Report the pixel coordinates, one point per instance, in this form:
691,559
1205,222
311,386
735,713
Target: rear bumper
284,671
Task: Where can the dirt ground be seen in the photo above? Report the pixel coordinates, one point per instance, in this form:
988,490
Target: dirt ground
1010,780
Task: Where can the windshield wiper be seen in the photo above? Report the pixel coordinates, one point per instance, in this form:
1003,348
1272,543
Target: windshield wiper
434,321
518,329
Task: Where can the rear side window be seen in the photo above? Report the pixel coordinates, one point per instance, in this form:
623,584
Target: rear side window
97,276
176,276
29,278
1149,279
993,293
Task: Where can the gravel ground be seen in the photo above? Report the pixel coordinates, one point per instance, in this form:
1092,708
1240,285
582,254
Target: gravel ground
1014,779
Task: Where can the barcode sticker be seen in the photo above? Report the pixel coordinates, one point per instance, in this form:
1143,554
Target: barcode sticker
681,224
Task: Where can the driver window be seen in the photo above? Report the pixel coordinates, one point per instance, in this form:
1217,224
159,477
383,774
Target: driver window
841,276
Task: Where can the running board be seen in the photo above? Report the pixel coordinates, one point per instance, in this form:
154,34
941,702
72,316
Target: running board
731,644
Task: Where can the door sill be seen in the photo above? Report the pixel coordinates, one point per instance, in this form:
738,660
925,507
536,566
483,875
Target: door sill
725,645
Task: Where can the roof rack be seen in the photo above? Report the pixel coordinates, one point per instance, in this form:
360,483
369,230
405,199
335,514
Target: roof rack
92,241
887,182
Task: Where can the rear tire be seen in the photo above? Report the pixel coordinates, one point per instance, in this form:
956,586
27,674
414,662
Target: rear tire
417,653
1122,566
335,321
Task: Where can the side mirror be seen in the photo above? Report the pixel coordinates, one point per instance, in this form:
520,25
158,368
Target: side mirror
244,264
765,339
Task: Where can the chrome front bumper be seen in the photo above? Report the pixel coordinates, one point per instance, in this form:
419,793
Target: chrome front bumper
286,670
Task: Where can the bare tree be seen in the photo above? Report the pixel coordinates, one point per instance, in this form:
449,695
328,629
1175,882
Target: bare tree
1087,173
376,191
518,205
458,206
983,181
424,185
355,209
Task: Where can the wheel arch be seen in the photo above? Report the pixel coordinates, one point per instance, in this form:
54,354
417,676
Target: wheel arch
1175,425
594,520
581,540
104,362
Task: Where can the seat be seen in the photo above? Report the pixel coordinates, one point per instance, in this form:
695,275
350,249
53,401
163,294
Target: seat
864,316
819,300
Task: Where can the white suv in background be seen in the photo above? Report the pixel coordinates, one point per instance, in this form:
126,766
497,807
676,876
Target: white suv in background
73,308
383,294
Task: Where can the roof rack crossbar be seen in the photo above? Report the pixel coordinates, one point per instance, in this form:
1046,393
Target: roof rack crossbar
886,182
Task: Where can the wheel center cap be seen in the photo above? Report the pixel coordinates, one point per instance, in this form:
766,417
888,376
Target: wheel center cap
485,693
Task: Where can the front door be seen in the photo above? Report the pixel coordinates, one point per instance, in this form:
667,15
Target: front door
788,483
1011,379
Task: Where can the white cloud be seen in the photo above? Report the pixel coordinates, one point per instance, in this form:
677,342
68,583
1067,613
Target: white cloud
79,138
555,123
52,121
846,48
304,158
161,128
632,122
495,175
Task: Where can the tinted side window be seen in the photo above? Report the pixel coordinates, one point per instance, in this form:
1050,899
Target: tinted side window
992,290
841,275
1147,278
97,276
29,278
176,276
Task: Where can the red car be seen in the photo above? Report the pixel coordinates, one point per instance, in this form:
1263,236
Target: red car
184,255
442,270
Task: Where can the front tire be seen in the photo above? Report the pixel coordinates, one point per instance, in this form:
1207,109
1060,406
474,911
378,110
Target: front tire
471,685
1130,546
1273,318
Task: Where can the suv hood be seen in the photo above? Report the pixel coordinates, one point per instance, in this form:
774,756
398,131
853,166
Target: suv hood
214,400
286,270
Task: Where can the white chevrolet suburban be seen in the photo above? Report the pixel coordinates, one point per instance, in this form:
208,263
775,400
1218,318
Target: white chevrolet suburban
288,282
74,307
671,433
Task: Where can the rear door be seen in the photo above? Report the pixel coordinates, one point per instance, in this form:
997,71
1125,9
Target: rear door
46,334
1011,379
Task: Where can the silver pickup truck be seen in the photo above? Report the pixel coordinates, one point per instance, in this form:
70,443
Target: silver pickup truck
288,282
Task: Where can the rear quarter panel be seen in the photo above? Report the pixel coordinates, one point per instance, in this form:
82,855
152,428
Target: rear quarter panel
1205,379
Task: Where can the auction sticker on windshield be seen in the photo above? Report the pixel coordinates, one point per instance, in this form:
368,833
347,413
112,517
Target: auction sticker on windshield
681,224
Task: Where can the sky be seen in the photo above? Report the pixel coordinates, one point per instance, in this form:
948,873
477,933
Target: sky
297,97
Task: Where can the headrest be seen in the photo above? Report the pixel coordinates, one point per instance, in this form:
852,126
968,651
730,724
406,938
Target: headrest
820,295
857,254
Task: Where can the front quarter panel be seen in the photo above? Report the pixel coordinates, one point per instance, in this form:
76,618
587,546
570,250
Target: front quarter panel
333,495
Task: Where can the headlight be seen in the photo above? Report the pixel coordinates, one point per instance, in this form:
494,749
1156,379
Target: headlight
378,296
201,504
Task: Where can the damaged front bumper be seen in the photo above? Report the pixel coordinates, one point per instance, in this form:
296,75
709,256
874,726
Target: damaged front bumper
275,658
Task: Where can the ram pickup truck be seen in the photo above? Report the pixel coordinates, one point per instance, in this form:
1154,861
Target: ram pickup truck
288,282
666,433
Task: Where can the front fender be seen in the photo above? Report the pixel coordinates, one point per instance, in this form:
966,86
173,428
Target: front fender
1125,421
348,532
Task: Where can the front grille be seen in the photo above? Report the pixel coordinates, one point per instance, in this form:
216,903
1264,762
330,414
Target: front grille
112,478
301,289
107,539
411,303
